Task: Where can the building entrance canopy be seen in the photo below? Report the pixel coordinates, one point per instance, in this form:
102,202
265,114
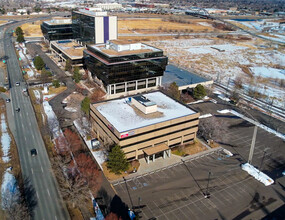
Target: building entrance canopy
157,149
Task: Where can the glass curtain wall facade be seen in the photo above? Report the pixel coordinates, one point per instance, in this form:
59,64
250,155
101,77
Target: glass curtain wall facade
113,70
83,28
57,32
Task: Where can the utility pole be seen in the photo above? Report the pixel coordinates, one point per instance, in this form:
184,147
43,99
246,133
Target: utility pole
252,145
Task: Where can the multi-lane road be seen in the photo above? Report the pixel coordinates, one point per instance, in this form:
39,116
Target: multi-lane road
46,202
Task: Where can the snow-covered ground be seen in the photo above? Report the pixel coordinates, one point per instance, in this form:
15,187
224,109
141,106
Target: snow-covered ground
257,174
70,109
268,72
52,120
5,140
99,155
9,189
229,60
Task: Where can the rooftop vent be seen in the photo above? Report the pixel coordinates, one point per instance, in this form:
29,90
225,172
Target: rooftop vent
144,104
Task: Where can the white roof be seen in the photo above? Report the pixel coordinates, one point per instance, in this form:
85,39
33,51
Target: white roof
123,117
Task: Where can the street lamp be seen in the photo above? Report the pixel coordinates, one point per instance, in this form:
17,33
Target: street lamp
207,194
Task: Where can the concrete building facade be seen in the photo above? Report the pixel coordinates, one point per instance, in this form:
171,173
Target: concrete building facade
145,125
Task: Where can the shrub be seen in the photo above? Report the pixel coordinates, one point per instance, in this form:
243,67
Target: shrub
20,38
56,83
199,91
85,105
39,63
2,89
117,160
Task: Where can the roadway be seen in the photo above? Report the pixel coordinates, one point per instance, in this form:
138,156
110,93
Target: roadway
45,202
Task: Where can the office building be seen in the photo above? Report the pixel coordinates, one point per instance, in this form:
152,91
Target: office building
67,49
145,125
93,27
125,68
57,29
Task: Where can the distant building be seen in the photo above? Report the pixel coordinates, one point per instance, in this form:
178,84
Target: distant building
125,68
93,27
146,125
57,29
109,6
67,49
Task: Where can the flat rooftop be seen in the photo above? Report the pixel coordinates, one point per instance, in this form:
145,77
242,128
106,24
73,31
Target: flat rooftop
70,48
125,117
180,76
113,53
58,22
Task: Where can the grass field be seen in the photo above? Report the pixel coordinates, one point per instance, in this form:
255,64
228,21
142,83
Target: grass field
157,25
32,29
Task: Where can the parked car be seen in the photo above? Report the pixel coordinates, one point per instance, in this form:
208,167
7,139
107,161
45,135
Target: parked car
8,100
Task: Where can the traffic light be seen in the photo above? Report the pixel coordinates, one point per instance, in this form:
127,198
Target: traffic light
4,61
20,58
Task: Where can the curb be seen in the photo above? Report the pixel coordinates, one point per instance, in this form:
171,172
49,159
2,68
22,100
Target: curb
185,159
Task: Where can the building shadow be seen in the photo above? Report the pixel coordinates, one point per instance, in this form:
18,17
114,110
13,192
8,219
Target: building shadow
118,207
104,201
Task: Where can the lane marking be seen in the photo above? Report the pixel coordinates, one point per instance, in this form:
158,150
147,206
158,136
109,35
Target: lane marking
32,170
48,192
42,169
38,195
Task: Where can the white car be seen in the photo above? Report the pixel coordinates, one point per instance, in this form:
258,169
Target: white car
17,83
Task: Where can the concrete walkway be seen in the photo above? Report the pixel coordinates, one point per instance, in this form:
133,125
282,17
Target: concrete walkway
161,163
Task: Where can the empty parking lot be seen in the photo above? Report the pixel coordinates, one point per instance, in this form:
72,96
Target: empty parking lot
177,192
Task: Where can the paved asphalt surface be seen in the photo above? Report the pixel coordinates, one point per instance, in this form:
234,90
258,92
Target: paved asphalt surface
177,192
44,197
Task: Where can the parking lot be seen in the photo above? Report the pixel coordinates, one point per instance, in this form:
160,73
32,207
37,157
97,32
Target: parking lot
177,192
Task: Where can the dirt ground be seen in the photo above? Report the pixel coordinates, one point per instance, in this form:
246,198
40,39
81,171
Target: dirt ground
14,159
112,176
32,29
189,149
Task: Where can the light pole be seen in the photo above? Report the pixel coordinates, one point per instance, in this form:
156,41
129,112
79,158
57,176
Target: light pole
252,145
207,194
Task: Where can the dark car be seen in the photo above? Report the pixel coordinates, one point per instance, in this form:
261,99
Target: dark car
17,109
34,152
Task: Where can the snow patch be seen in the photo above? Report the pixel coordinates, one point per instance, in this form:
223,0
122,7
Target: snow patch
257,174
268,72
5,140
70,109
9,188
205,116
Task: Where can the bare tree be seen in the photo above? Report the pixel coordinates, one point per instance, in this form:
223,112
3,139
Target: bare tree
213,129
15,206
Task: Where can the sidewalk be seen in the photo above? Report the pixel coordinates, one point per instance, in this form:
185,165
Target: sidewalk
161,163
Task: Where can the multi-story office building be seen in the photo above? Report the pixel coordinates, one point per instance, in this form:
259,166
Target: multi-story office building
67,50
57,29
125,68
144,125
93,27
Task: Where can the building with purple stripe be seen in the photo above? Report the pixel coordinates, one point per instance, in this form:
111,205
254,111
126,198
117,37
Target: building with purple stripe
90,27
